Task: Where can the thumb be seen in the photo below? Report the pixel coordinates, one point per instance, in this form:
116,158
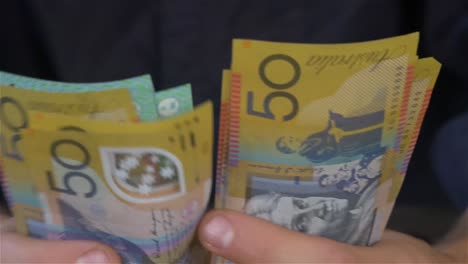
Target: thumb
16,248
246,239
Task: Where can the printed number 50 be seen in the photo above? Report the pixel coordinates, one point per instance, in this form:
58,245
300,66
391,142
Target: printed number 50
267,113
266,105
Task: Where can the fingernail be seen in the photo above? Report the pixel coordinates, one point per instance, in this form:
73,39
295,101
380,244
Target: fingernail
218,232
93,256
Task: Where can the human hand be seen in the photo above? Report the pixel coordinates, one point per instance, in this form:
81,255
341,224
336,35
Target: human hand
15,248
245,239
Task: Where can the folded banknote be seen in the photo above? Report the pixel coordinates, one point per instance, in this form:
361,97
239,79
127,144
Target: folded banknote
141,90
417,102
315,138
166,103
315,130
115,105
140,188
105,102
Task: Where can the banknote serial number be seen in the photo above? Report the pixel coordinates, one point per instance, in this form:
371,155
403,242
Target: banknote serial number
279,89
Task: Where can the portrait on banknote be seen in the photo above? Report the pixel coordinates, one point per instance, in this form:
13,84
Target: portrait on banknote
337,202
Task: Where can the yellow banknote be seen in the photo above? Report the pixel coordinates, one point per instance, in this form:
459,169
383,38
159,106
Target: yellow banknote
425,76
15,103
309,127
412,102
140,188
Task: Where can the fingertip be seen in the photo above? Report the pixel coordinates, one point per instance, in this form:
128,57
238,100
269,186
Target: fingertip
234,235
217,232
21,249
81,251
253,240
98,253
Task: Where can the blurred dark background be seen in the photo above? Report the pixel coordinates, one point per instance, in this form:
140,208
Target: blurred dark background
182,41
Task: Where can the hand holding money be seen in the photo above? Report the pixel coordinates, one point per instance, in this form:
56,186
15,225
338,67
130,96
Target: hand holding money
316,138
141,193
17,248
313,138
245,239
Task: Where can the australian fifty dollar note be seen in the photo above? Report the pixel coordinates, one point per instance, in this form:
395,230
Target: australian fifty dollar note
426,73
15,104
140,88
108,103
140,188
310,127
417,101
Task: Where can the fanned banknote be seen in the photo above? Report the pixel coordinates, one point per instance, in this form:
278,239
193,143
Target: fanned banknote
141,89
171,102
415,103
426,73
177,100
116,105
310,128
223,141
140,188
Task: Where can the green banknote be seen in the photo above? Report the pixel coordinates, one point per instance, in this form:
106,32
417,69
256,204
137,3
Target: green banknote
173,101
141,89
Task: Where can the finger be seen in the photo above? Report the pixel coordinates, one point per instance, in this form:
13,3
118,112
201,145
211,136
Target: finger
7,224
15,248
245,239
409,250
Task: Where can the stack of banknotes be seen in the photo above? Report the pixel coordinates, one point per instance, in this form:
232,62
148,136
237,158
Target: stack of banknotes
111,162
315,138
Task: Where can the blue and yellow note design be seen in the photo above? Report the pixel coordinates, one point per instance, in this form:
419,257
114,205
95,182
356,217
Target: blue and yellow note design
166,187
140,188
15,103
311,127
418,97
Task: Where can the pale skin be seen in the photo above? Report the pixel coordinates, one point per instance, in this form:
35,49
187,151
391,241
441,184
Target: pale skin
244,241
253,240
15,248
311,215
